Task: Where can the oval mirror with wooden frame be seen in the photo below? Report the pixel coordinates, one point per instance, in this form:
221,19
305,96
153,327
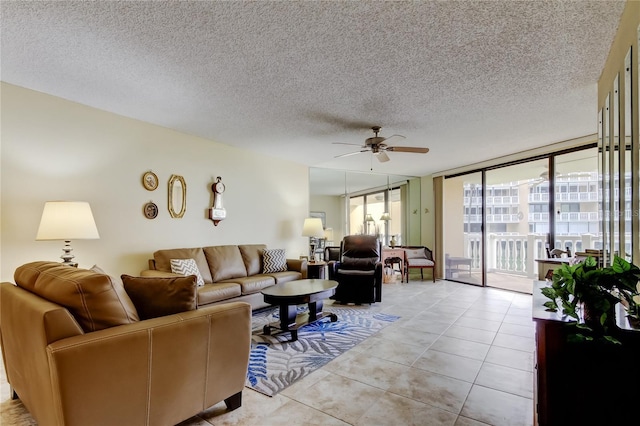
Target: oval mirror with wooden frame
177,196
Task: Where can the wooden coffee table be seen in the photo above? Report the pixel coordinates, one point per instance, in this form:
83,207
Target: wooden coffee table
290,294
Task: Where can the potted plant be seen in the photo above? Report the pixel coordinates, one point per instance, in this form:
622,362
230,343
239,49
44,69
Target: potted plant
589,294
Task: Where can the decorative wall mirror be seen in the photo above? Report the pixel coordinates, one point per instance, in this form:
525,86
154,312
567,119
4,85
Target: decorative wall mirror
177,196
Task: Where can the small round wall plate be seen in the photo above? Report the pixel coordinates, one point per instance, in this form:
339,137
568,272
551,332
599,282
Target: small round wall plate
150,210
150,181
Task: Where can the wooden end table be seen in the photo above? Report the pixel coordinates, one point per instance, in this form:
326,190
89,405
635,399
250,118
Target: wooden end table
290,294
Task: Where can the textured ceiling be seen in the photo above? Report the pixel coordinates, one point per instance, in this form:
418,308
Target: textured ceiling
470,80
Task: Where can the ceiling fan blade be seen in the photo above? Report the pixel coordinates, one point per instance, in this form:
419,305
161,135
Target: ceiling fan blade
382,156
344,143
394,136
351,153
408,149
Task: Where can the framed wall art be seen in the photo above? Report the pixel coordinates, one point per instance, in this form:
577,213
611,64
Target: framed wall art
150,181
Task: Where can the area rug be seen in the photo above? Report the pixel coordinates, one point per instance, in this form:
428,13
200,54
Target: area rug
276,363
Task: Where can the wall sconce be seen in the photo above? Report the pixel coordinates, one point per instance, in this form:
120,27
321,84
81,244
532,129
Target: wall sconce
67,220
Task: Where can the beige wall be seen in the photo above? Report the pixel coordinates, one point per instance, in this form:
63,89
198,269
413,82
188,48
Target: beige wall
53,149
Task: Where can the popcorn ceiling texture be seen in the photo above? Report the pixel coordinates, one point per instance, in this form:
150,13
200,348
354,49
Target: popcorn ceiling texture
471,80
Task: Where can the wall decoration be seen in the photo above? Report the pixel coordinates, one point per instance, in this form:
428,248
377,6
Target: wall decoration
217,212
177,196
150,181
322,216
150,210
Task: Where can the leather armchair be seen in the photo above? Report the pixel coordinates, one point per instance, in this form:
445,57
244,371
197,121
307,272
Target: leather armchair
359,270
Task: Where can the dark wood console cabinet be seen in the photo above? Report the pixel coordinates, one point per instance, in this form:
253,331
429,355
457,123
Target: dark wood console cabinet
583,383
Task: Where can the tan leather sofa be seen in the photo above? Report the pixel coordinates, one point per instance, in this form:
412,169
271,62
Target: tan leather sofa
230,272
75,352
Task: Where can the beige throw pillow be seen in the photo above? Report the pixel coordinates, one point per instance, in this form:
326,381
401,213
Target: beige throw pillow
186,267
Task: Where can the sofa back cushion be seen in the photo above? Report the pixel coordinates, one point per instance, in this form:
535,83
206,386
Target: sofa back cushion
97,301
163,260
418,253
225,262
252,257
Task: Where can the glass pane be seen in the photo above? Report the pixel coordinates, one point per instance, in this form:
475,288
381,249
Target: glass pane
577,220
356,216
615,167
605,168
517,224
463,228
395,224
375,206
626,196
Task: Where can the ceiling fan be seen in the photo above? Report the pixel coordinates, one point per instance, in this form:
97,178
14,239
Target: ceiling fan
377,145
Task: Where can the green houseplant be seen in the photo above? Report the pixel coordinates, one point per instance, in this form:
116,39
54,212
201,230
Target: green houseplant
589,294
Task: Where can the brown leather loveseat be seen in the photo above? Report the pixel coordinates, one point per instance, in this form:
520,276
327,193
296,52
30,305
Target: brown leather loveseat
77,351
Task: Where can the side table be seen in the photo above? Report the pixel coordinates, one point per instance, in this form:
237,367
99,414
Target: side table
316,270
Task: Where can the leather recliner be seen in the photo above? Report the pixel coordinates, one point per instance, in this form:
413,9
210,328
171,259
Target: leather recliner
359,270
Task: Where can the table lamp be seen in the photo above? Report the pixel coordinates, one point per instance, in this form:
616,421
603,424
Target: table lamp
67,220
313,229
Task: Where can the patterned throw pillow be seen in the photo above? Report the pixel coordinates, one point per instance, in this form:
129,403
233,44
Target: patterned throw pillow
415,254
274,260
186,267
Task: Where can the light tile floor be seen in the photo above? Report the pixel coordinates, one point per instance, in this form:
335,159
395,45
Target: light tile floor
460,355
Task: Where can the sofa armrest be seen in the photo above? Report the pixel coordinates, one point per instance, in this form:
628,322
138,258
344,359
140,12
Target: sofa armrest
159,371
298,265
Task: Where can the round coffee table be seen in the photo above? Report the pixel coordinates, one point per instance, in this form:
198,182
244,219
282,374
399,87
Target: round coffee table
290,294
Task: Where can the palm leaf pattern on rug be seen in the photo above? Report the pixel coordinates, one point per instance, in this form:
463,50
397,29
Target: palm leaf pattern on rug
276,363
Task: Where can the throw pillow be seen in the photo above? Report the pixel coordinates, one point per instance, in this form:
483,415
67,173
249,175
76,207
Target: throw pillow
156,297
274,260
187,267
415,254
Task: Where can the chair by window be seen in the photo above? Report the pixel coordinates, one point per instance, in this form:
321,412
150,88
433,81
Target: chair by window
420,257
358,270
331,253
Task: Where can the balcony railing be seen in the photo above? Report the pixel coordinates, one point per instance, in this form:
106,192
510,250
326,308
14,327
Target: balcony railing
515,253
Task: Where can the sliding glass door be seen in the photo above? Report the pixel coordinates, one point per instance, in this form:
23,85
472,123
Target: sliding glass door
499,221
463,224
517,200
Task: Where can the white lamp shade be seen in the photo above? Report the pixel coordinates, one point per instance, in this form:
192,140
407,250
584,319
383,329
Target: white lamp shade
313,228
385,216
67,220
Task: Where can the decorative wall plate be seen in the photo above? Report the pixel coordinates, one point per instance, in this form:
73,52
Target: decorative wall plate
150,210
150,181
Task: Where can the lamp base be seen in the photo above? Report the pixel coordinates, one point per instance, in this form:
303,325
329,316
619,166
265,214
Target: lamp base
312,254
67,256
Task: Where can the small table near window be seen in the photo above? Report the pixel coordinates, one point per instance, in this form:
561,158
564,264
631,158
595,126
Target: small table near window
394,256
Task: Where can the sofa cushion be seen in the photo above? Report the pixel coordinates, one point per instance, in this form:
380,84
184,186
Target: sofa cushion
186,267
274,260
163,260
286,276
254,283
157,297
415,262
216,292
252,257
225,262
96,300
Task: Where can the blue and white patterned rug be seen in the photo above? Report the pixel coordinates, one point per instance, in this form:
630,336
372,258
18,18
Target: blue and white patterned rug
276,363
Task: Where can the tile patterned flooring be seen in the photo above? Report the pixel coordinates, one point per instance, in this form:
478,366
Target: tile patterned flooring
460,355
